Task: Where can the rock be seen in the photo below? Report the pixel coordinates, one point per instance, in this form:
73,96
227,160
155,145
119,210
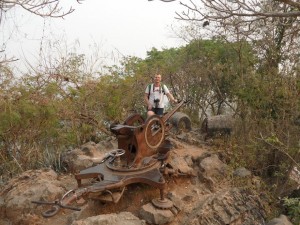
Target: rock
86,156
153,215
242,172
181,165
295,175
29,186
207,199
281,220
123,218
188,138
213,167
235,206
176,200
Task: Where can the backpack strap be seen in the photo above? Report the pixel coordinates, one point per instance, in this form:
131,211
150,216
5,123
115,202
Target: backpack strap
149,90
162,88
151,86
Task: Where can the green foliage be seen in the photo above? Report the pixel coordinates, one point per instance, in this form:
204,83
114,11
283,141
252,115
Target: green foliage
293,209
45,114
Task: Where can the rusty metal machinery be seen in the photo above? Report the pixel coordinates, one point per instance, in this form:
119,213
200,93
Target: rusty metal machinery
142,150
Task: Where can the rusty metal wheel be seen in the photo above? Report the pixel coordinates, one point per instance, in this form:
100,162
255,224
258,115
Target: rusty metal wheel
134,120
154,131
117,152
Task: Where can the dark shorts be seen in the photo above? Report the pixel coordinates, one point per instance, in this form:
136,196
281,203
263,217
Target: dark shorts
158,111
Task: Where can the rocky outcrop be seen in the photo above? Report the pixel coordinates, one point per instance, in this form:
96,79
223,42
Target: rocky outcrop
16,197
234,206
197,184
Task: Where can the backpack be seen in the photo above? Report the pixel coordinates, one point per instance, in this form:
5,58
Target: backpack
162,89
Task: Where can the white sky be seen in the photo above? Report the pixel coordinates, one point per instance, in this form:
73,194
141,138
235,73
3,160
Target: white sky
130,27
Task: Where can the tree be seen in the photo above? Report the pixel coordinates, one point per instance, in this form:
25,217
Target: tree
164,0
267,95
43,8
228,9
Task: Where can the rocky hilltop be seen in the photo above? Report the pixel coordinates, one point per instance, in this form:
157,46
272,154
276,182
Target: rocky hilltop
203,189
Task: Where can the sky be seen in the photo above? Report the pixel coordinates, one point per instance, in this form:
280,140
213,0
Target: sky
121,27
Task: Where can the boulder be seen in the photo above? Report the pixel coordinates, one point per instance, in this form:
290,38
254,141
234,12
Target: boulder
242,172
281,220
123,218
86,156
156,216
17,196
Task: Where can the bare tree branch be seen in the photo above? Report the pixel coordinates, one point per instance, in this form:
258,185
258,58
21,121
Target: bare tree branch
225,9
43,8
164,0
4,59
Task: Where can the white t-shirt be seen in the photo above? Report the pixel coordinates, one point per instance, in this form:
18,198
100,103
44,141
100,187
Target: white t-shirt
157,93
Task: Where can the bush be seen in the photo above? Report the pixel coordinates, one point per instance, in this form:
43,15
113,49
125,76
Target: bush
293,209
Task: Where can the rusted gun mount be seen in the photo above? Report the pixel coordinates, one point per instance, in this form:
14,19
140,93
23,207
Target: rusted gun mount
141,139
142,150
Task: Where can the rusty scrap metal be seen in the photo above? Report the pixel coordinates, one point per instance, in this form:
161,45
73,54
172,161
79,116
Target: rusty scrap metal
142,150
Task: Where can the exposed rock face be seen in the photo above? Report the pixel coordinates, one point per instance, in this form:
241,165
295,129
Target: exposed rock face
235,206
